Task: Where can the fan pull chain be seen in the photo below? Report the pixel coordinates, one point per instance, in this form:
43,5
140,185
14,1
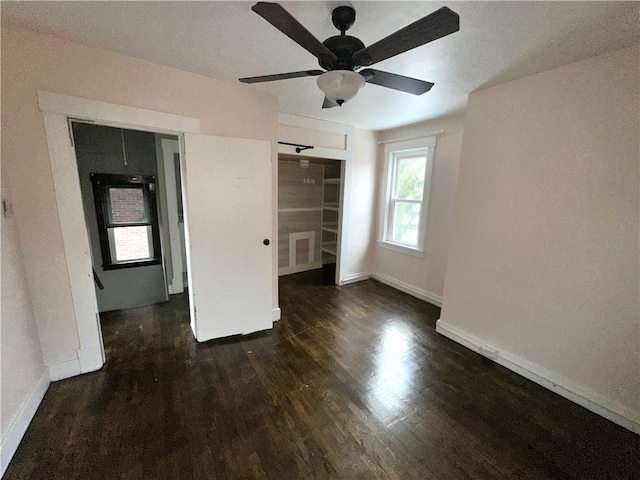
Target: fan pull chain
124,150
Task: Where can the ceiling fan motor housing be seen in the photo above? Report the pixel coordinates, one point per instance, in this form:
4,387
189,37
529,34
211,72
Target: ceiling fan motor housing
343,47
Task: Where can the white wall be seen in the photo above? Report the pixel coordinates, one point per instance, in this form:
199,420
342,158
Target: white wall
544,253
32,62
424,276
23,376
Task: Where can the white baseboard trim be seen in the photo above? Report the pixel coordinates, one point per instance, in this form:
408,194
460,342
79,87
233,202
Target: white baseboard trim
409,289
299,268
16,430
90,358
355,277
609,409
275,314
60,371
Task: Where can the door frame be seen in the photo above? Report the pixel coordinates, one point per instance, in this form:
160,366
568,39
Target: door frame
168,148
58,111
345,156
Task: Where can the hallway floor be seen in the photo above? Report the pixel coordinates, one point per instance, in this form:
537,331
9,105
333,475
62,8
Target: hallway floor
352,383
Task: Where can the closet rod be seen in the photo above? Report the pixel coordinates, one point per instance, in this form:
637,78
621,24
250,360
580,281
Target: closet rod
404,139
299,147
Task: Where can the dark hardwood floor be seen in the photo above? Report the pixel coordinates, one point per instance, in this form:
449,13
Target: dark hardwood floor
352,383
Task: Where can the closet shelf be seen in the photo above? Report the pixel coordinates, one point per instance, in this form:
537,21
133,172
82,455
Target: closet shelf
330,247
328,181
329,229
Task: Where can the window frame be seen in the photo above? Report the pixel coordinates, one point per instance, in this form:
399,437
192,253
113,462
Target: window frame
393,152
101,183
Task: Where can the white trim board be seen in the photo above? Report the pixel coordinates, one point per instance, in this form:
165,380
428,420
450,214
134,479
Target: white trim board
121,115
419,293
315,152
346,172
312,123
428,297
293,247
355,278
564,387
170,148
74,236
319,126
60,371
16,430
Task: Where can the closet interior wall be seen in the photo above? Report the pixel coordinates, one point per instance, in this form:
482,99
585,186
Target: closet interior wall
299,216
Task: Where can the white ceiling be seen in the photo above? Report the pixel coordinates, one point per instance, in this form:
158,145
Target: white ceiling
497,42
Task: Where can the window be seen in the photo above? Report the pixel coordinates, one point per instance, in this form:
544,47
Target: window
406,192
127,220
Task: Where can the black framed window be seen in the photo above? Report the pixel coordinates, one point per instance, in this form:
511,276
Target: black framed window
127,215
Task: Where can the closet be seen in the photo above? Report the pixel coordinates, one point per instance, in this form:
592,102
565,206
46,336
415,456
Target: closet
308,216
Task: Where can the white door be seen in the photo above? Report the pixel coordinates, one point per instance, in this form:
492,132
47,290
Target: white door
228,230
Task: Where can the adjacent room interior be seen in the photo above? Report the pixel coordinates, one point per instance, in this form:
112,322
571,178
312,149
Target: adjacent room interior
430,272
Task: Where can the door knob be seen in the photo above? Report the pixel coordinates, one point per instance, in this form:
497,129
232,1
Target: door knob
266,241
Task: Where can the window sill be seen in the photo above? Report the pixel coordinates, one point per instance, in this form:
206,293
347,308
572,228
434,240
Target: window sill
414,252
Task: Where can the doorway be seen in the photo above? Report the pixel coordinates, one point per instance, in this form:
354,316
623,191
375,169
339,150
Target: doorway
124,196
226,185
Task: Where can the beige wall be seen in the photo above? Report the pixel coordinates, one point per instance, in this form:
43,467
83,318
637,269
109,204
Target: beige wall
32,62
21,364
309,136
426,274
544,253
361,212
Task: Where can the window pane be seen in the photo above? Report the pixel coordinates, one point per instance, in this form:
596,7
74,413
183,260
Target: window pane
409,178
127,205
406,220
131,243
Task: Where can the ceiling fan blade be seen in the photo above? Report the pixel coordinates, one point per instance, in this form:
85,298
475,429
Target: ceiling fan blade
328,103
283,21
395,81
281,76
436,25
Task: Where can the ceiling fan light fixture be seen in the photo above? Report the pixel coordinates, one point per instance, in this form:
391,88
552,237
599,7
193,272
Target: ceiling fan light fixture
340,86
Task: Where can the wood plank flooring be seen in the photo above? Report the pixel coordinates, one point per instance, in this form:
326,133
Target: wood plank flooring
352,383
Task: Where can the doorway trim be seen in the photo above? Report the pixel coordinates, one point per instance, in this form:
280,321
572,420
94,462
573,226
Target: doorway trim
57,112
168,149
345,156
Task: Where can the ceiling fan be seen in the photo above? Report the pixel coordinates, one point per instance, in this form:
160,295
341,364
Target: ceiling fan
342,55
